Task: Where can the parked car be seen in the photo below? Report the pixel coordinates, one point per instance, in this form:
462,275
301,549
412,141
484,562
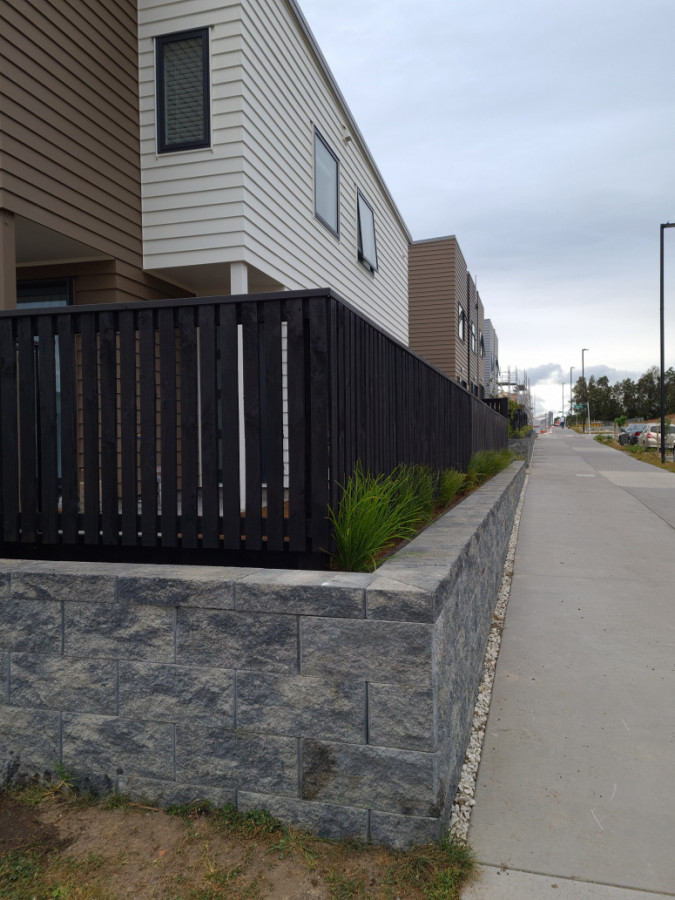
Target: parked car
626,435
651,436
670,438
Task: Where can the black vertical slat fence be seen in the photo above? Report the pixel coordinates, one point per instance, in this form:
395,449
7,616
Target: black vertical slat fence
218,429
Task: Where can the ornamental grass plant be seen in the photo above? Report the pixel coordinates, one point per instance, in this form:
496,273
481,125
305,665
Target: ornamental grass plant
378,511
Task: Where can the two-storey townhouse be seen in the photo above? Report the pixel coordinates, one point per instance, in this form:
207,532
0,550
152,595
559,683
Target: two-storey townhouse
446,311
246,172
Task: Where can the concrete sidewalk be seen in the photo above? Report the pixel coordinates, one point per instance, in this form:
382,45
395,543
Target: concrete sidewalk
575,798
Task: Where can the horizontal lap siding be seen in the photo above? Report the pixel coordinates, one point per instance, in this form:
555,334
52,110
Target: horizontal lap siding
193,201
250,197
70,121
282,230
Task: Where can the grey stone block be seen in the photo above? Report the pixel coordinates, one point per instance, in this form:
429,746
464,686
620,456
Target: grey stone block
170,793
223,758
98,749
366,650
403,832
119,631
237,640
337,594
57,682
191,586
4,585
4,677
32,626
327,820
400,781
44,585
169,693
401,715
30,742
300,706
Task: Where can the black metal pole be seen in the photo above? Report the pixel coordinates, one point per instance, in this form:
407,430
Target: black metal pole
663,356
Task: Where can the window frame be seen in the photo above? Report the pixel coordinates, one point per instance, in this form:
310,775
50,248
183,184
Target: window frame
473,338
461,323
163,146
64,285
319,139
369,264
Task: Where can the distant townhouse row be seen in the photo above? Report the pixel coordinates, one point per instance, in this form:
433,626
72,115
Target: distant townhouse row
154,150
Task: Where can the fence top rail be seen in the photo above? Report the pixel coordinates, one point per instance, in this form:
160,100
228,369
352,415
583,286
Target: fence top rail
326,294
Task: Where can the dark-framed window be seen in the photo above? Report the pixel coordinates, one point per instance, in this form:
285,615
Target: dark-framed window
326,185
473,337
183,92
366,233
36,292
461,323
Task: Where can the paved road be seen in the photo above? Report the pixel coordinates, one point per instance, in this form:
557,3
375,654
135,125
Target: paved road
575,797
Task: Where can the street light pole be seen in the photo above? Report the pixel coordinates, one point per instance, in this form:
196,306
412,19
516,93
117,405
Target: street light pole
663,379
583,382
571,370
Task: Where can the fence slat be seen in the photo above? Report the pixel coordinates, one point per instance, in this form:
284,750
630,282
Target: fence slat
9,434
168,428
129,429
108,357
252,425
274,427
68,432
318,403
27,431
188,427
297,446
208,427
148,435
228,368
47,441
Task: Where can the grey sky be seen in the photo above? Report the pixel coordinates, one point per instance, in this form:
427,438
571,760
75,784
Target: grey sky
542,135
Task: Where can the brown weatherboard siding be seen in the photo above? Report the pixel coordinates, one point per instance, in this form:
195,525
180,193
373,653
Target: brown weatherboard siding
69,109
437,278
105,281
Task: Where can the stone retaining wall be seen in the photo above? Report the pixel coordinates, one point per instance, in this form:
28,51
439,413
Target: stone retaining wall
339,702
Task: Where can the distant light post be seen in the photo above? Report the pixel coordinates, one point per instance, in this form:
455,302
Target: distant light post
663,377
571,370
583,382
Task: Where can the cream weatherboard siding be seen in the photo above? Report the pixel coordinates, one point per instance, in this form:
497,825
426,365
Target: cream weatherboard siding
250,196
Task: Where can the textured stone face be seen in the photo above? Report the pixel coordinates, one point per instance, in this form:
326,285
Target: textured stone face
217,756
370,651
397,781
57,682
401,715
236,640
119,630
301,706
161,693
31,626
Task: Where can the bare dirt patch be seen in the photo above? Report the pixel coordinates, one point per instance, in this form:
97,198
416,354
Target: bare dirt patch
66,848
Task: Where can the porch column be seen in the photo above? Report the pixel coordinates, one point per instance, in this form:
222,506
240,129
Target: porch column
7,260
238,278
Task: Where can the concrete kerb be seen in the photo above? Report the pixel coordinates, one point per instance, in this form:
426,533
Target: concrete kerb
341,702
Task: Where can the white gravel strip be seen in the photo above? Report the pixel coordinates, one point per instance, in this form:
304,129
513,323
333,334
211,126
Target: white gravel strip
464,800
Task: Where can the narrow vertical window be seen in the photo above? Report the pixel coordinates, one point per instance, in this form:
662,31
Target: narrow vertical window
367,246
183,115
326,184
461,323
473,338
